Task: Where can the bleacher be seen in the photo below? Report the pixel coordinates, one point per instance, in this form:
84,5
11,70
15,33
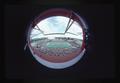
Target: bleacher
54,47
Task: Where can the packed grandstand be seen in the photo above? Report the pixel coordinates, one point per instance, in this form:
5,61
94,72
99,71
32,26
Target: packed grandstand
57,46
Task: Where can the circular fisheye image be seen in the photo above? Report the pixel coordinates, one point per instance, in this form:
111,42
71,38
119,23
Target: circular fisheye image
56,38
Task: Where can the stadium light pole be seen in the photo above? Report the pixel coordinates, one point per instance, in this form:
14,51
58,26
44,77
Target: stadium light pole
39,29
68,26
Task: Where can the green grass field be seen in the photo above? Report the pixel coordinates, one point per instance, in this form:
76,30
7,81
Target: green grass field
54,44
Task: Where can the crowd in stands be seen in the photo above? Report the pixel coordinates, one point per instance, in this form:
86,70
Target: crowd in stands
41,46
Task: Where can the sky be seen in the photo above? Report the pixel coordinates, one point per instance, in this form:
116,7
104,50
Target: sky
57,24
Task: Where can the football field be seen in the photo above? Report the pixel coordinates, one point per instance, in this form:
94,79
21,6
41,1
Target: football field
56,44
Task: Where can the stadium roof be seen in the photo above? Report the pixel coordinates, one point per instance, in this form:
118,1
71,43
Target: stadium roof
57,25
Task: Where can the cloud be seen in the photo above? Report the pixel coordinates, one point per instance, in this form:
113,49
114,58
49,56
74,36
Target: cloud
58,24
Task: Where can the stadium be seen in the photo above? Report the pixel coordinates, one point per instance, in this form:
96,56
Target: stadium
57,48
57,41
